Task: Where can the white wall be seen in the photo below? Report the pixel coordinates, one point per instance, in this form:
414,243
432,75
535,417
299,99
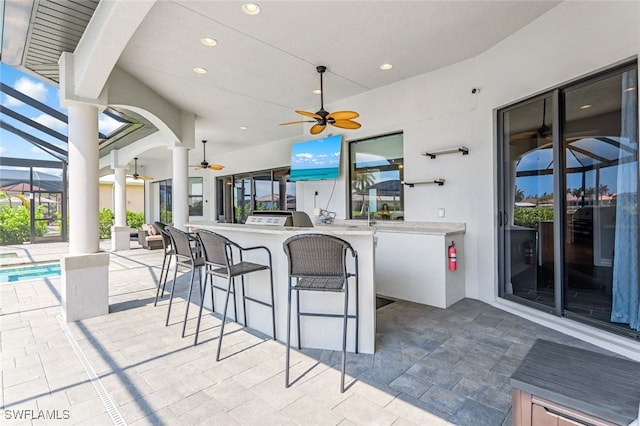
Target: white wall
438,110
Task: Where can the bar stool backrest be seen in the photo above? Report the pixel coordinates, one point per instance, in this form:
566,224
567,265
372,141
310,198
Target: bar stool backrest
215,247
180,242
316,255
166,239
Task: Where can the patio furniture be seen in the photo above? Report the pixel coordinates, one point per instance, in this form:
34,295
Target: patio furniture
186,258
166,261
150,237
318,263
219,260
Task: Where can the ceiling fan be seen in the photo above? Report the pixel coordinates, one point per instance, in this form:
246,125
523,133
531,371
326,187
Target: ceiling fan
204,164
341,119
542,132
135,174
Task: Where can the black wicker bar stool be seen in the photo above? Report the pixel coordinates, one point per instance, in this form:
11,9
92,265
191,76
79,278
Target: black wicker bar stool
219,260
318,262
188,258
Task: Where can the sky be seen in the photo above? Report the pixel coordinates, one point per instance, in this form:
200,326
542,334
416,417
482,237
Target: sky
13,146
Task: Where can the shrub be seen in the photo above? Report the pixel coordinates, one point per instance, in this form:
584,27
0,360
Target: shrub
530,216
14,225
135,220
106,222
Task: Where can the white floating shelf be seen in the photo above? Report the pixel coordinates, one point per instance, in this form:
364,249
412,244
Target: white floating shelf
438,182
433,154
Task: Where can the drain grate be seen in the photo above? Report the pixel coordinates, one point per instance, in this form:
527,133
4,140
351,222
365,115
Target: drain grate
108,403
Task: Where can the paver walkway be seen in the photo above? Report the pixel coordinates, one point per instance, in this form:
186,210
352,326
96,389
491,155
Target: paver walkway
431,366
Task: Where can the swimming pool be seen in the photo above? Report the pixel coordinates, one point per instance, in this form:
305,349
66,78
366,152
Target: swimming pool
31,272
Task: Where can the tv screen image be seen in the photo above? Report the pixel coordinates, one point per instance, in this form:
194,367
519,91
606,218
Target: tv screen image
316,159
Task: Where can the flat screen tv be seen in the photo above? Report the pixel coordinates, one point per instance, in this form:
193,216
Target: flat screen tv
316,159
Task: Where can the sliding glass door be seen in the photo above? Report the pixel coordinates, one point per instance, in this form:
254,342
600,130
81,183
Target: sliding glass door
569,201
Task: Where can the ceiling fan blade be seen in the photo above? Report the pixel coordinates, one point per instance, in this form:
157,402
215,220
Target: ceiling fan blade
309,114
317,128
297,122
216,166
145,177
343,115
197,168
346,124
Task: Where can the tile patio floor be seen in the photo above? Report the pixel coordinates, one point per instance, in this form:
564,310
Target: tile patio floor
431,366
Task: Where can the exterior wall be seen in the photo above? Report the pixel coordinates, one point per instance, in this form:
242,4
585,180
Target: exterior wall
438,110
135,197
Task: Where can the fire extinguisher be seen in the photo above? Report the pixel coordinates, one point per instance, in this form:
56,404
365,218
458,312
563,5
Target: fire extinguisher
453,257
528,252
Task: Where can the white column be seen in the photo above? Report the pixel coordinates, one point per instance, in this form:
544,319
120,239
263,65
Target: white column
84,234
85,271
179,185
120,232
120,195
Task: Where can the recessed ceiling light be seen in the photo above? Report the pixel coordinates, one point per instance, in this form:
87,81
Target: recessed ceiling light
386,67
317,92
587,106
243,127
199,70
629,89
251,8
208,41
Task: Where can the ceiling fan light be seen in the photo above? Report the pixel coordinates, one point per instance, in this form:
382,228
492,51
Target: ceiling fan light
208,41
251,8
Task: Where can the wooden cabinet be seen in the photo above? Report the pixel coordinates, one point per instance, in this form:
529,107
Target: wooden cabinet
559,385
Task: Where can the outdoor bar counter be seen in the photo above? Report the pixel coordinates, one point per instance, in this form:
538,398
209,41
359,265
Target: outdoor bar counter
400,260
322,333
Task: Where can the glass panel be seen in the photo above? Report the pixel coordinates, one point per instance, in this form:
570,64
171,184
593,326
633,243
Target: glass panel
528,201
195,196
284,191
601,242
376,173
242,198
263,192
166,215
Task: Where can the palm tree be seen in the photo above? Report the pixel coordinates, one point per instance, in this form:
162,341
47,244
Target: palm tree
361,182
519,195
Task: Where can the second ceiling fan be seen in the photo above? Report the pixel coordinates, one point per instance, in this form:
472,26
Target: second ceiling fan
204,164
341,119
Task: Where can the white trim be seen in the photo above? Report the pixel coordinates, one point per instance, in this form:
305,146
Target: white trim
618,344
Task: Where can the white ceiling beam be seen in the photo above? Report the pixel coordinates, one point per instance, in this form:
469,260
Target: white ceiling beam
101,45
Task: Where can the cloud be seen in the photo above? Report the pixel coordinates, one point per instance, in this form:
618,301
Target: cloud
35,150
34,89
304,156
107,124
3,149
50,122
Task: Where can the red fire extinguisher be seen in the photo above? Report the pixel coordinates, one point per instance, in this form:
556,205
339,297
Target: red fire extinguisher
528,252
453,257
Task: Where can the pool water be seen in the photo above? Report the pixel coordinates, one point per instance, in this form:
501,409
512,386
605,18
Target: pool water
31,272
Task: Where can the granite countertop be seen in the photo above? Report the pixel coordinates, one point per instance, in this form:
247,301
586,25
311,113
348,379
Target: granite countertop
346,227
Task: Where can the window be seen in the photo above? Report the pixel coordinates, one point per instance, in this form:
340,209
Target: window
166,208
239,195
375,178
195,196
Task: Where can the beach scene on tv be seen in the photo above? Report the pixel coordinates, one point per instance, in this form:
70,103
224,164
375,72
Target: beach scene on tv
316,159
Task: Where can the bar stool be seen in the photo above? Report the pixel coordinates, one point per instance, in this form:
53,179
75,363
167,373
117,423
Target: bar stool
219,261
166,261
318,262
186,258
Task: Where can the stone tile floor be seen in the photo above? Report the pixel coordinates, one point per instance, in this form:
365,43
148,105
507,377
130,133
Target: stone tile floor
431,366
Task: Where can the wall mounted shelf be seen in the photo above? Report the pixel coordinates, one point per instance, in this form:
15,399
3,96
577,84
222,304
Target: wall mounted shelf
433,154
438,182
